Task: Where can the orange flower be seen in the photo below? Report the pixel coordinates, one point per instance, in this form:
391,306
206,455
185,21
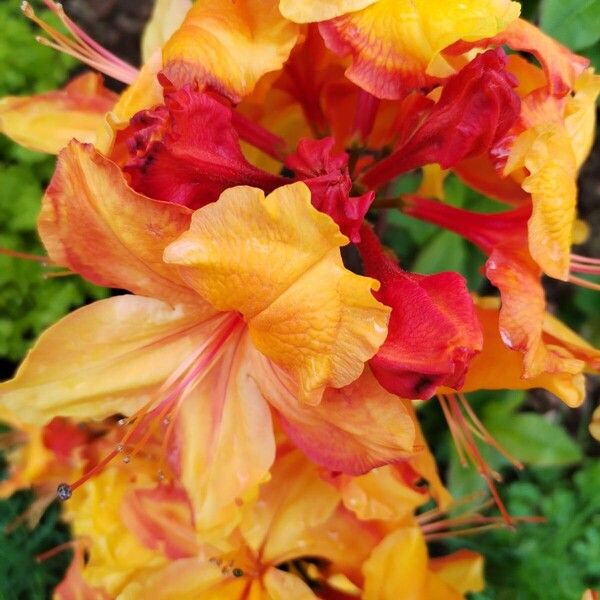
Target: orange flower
190,353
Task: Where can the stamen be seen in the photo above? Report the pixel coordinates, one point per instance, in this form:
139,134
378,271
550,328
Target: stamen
43,260
590,285
465,444
56,550
148,419
82,46
585,259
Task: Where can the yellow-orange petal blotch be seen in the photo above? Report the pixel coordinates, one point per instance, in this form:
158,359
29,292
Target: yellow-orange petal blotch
92,222
229,46
277,261
47,122
546,152
396,45
310,11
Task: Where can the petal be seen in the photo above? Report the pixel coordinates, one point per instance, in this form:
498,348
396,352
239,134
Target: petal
562,67
167,17
93,223
188,152
185,579
498,367
224,439
396,44
277,261
546,152
74,586
104,358
280,585
478,104
162,520
229,46
462,571
310,11
326,174
352,430
398,563
433,331
595,424
48,122
295,502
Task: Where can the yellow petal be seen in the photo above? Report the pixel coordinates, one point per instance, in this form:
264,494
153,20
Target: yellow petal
545,151
462,571
166,18
104,358
280,585
397,44
185,579
309,11
595,424
228,45
294,503
92,222
277,261
225,440
580,114
48,122
398,563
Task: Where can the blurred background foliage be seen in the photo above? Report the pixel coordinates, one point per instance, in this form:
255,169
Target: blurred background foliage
554,560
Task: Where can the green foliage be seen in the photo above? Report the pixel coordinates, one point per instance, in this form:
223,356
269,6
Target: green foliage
575,23
22,576
554,560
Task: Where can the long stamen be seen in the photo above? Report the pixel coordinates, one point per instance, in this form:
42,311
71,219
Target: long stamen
82,46
590,285
44,260
463,438
145,422
585,259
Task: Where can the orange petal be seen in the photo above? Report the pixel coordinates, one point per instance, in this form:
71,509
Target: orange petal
162,520
229,46
166,18
399,562
546,152
47,122
93,223
352,430
396,44
310,11
224,439
280,585
277,261
498,367
462,571
104,358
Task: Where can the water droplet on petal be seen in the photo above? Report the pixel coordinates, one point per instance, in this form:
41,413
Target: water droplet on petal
237,572
126,458
64,491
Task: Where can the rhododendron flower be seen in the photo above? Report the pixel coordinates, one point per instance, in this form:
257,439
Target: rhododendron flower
189,357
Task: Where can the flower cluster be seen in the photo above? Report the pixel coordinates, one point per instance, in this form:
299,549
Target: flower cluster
241,423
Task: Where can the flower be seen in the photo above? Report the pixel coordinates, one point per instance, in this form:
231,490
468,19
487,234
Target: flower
185,353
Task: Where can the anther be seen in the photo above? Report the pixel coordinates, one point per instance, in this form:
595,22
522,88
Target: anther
64,491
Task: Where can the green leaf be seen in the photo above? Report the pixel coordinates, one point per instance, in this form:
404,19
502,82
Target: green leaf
444,252
575,23
534,440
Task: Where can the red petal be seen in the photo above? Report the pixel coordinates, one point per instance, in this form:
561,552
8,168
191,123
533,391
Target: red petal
477,107
325,172
433,331
188,151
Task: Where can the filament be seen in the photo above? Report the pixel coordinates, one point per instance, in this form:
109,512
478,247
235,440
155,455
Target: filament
81,46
